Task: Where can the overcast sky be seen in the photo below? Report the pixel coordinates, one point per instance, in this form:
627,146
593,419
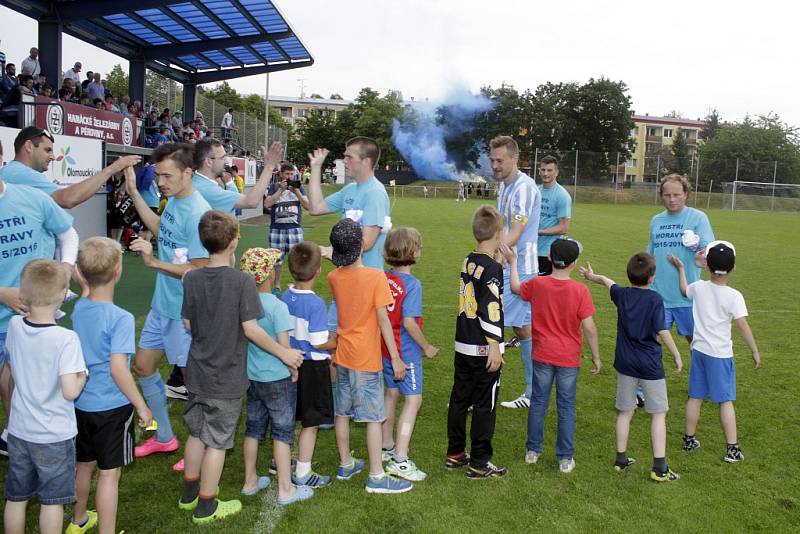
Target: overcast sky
739,57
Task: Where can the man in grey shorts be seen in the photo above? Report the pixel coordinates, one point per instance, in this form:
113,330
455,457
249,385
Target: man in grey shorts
640,324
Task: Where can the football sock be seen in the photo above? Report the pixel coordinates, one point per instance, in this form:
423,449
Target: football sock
348,465
379,476
302,469
156,397
191,489
397,458
206,506
660,465
622,458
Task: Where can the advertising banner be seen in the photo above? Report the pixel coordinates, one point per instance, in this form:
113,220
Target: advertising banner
76,158
66,118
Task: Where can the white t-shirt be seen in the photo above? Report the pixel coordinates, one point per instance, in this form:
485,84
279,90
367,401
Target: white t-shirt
227,121
39,355
714,307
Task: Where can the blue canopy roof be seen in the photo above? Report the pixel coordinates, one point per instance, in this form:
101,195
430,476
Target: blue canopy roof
190,41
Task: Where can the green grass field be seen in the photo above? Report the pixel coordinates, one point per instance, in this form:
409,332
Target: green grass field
761,493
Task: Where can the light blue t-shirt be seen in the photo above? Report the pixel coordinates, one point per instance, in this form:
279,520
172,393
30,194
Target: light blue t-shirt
556,204
368,205
231,186
104,329
28,221
177,230
309,322
217,198
519,201
263,366
666,234
20,174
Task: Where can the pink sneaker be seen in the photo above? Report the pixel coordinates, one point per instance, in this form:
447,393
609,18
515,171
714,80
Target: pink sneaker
178,467
152,446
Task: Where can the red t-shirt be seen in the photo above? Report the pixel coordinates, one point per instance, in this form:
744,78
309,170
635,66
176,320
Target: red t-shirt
557,309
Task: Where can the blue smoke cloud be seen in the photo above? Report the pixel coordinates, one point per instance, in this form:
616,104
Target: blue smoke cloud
421,140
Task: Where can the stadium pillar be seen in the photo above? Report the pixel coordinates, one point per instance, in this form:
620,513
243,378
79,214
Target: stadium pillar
50,29
136,78
189,101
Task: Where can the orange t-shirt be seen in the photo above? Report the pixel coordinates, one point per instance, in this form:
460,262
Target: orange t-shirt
359,292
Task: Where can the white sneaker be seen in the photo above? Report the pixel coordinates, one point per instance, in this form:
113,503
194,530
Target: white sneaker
566,466
531,457
520,402
178,392
407,470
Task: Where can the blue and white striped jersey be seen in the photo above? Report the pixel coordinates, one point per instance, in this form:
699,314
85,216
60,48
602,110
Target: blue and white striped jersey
520,201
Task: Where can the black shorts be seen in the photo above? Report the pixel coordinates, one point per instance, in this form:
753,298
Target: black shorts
105,437
314,395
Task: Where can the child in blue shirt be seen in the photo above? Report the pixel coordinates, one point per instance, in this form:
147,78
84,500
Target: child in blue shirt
310,335
402,249
104,410
272,393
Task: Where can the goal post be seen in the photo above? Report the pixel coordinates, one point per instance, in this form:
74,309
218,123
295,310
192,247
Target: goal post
761,196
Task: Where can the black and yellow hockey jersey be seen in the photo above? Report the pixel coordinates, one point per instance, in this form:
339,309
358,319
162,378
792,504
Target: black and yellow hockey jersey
480,305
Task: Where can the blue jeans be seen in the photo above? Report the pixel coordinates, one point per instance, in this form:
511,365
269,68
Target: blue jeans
566,379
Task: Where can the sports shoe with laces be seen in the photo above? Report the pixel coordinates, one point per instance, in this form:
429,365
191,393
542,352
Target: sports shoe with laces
455,461
690,443
531,457
346,473
224,509
566,466
513,342
622,466
152,446
407,470
91,521
668,476
487,471
387,484
177,392
520,402
273,466
387,453
312,480
733,454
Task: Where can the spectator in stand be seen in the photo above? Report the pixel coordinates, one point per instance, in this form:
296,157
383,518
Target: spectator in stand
47,91
89,79
126,101
9,80
38,83
98,104
106,90
85,101
177,121
109,104
74,73
95,89
227,124
69,92
162,136
31,63
26,85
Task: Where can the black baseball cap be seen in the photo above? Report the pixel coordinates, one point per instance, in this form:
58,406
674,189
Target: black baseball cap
720,257
346,239
564,251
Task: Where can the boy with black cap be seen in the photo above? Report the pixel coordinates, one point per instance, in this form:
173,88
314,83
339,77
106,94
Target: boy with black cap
712,373
362,295
562,308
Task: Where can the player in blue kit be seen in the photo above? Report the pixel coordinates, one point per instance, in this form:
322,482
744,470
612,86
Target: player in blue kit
519,201
556,211
684,233
179,250
402,250
364,201
28,220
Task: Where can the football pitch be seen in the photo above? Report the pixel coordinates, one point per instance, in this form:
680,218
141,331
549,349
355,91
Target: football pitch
761,493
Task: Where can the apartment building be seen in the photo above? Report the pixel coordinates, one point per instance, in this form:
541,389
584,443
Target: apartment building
653,136
292,108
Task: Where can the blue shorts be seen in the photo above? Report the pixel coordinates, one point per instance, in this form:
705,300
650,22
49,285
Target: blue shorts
284,239
271,404
42,470
682,319
359,394
713,378
3,355
169,335
411,384
516,312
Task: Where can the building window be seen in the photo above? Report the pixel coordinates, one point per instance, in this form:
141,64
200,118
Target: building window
667,132
302,112
635,132
630,177
284,112
652,131
631,163
690,134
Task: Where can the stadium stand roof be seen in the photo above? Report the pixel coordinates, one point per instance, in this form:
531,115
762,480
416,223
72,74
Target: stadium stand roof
191,41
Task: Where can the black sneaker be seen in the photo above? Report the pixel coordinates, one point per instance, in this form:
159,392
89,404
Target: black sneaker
488,471
513,342
456,461
690,443
622,466
667,476
734,454
3,448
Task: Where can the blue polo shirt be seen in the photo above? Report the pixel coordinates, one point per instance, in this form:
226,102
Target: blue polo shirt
556,205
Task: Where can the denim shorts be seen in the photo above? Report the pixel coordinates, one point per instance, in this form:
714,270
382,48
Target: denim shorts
411,384
273,405
712,378
3,355
42,470
212,421
162,333
359,394
682,318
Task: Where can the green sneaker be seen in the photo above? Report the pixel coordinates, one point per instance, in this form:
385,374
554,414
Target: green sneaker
407,470
667,476
91,521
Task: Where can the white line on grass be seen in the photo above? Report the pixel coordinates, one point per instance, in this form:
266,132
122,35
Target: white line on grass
271,512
